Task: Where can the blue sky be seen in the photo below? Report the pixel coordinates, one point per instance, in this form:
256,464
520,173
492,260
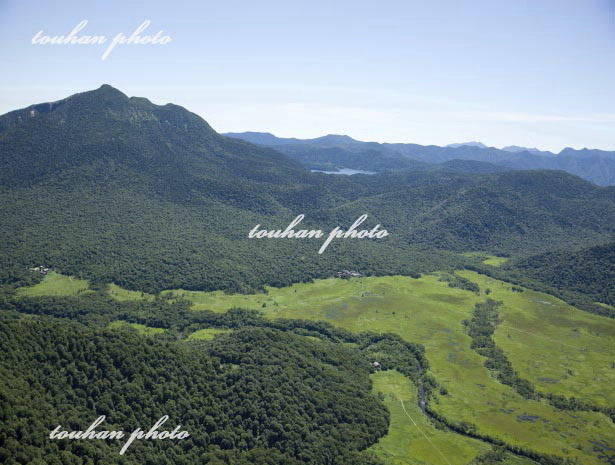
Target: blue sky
533,73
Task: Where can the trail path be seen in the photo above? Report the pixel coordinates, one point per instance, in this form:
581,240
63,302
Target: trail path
424,435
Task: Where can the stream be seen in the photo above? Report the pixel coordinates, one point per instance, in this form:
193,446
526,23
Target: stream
421,390
423,406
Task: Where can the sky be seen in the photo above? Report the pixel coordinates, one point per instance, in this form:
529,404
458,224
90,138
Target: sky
537,73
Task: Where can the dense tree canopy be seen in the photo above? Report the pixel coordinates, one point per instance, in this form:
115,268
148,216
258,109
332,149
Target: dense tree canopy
243,393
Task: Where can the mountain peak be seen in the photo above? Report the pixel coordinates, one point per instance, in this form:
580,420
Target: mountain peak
517,149
479,145
259,138
108,89
104,94
104,126
335,139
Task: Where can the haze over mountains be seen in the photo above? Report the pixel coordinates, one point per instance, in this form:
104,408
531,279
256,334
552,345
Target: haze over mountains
335,151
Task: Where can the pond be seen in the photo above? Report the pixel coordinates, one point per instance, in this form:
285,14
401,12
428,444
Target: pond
345,171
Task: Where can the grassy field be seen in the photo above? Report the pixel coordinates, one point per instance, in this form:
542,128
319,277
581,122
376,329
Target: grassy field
208,333
141,329
55,284
427,311
123,295
487,259
495,261
412,438
557,347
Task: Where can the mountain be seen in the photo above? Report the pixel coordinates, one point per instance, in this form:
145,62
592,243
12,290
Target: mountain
479,145
468,166
586,153
332,152
329,158
261,138
589,271
511,212
333,140
105,127
516,149
117,189
597,166
265,138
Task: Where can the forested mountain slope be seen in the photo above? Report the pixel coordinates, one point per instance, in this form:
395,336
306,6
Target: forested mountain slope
150,197
590,271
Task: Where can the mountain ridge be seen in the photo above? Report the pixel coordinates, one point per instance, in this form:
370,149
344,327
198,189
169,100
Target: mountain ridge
597,166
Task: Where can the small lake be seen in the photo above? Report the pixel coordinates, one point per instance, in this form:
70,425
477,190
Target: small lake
344,171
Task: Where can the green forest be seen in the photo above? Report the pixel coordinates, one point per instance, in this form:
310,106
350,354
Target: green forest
255,395
125,235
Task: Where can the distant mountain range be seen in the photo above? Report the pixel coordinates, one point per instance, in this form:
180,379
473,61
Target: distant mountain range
509,148
480,145
516,148
338,151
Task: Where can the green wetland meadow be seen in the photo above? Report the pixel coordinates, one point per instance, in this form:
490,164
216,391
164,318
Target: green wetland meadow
571,353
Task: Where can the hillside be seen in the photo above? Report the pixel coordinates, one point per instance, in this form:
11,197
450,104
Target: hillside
511,213
117,189
589,271
174,152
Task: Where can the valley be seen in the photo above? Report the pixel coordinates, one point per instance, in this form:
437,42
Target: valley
575,351
476,326
570,354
